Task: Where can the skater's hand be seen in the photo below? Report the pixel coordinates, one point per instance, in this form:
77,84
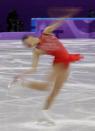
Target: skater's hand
15,79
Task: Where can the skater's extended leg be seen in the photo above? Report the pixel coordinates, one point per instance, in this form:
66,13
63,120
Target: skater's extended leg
62,75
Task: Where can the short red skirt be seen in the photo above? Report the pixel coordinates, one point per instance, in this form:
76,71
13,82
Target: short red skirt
67,60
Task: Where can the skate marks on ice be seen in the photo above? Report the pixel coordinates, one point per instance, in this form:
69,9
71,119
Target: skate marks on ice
68,125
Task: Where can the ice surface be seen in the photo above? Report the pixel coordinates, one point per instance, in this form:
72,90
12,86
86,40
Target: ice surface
74,109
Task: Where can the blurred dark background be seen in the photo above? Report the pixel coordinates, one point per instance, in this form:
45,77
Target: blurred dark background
16,15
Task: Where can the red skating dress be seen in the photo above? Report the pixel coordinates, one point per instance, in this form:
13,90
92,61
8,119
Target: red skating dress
52,46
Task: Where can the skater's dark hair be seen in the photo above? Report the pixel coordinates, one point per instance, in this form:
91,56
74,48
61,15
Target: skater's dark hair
26,37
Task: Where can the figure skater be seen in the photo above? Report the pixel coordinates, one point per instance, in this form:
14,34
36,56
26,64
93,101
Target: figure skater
49,44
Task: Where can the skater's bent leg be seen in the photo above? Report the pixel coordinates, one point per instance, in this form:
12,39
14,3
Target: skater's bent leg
62,75
41,86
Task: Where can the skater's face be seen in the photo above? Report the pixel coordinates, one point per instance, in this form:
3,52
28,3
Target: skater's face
31,41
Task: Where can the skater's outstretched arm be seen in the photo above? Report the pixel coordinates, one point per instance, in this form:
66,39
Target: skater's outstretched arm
51,28
35,61
58,23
